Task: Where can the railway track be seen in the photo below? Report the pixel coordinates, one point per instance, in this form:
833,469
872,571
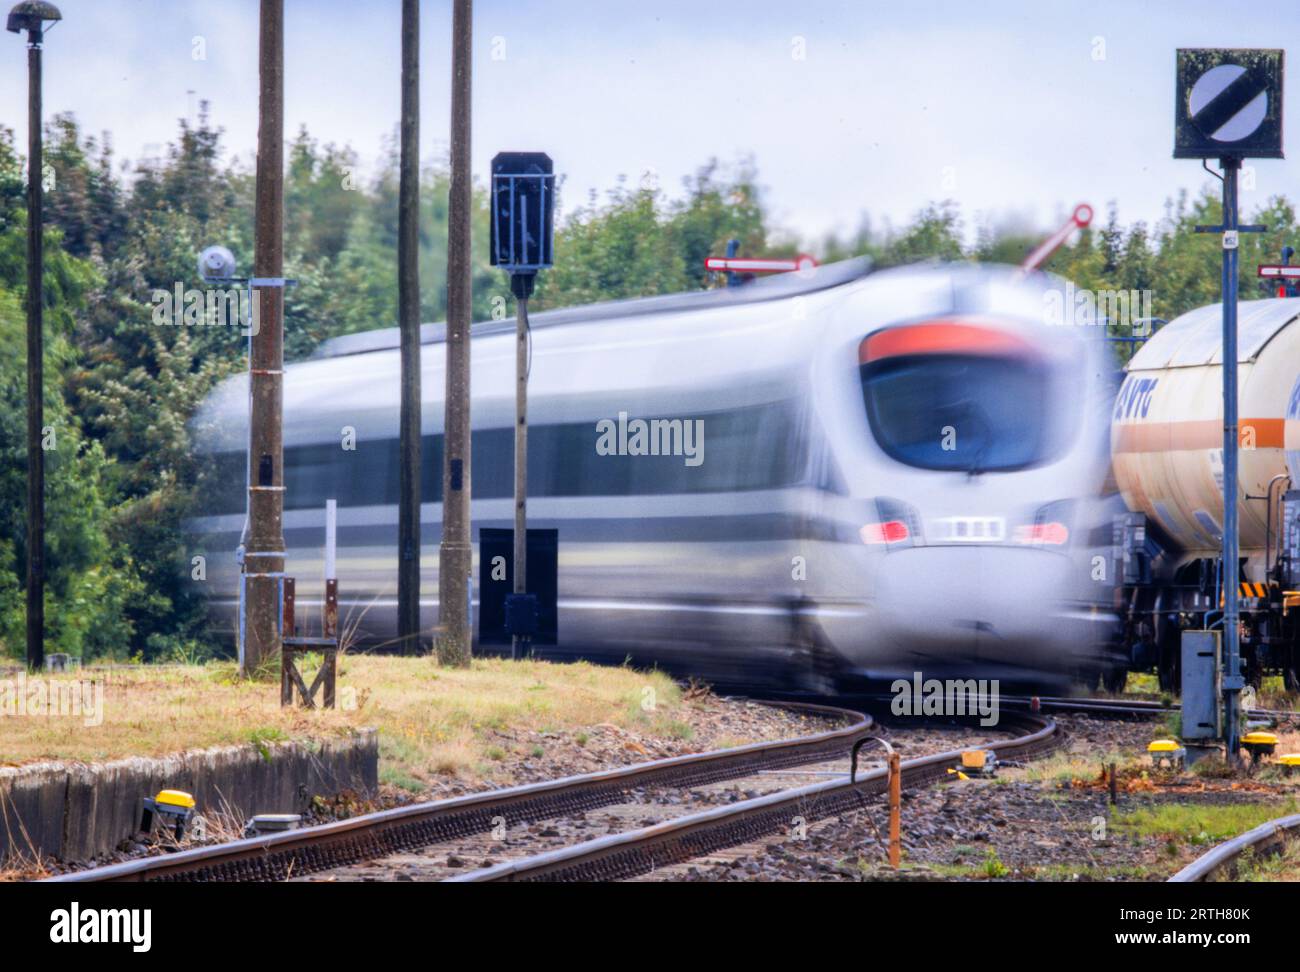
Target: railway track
642,851
1135,707
1269,836
632,853
341,843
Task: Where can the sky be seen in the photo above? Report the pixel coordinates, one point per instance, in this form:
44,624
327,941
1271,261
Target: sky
1015,109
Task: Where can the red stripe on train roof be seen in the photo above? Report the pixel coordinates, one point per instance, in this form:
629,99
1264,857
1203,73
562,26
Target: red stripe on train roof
939,337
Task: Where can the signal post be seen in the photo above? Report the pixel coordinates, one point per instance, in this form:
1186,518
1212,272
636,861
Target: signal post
1228,105
523,205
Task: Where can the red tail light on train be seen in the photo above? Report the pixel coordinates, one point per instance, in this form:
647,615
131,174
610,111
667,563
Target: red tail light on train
897,524
1050,527
891,531
1052,534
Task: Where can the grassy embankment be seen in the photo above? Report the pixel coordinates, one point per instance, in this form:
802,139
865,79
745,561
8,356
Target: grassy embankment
432,721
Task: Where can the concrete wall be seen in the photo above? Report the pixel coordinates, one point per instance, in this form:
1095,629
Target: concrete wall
77,811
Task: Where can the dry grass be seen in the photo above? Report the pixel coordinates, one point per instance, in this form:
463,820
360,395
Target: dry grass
431,720
1064,767
1260,867
1272,694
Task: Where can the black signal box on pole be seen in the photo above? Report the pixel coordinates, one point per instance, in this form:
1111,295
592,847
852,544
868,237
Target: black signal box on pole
496,623
523,211
1228,104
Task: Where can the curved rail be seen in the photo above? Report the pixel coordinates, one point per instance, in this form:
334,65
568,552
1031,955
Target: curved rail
275,857
641,851
1129,706
1269,835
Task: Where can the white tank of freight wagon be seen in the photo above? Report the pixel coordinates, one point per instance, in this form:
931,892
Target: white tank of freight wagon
1167,424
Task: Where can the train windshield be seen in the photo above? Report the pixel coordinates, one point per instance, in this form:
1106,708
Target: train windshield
959,412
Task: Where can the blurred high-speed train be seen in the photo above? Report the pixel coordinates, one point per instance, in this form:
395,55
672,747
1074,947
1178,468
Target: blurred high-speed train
893,472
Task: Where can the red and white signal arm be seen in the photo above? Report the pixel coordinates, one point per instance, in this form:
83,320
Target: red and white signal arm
1279,270
1284,273
760,265
1079,218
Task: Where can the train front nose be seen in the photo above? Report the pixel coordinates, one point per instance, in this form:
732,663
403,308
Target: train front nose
986,607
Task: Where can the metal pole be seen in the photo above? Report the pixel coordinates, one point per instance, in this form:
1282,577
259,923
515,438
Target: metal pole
519,644
330,608
408,300
455,553
331,538
265,552
35,364
1231,697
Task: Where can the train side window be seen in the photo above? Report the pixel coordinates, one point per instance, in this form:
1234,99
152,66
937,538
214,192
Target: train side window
759,447
492,457
556,467
598,475
222,484
430,469
369,475
310,474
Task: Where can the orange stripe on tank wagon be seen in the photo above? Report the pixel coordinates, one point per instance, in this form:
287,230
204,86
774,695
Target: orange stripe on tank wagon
1269,433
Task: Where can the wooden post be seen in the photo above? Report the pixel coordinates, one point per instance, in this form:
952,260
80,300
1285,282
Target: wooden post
331,609
287,624
456,553
35,364
895,810
287,660
326,675
330,671
408,312
264,553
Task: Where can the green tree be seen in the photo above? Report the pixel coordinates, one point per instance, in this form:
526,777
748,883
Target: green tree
637,243
935,234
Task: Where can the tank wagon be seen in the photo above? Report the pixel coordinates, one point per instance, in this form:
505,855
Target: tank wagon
1167,456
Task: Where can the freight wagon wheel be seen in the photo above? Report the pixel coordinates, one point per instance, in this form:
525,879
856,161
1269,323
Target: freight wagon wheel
1085,678
1169,646
1114,679
1291,666
1291,675
1254,672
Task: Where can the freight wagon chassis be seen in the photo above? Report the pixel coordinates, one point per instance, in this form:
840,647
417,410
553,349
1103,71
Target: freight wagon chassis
1156,615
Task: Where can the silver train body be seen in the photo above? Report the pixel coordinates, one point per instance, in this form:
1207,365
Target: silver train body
895,472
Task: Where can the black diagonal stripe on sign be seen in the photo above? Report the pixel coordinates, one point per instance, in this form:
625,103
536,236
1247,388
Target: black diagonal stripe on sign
1232,99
